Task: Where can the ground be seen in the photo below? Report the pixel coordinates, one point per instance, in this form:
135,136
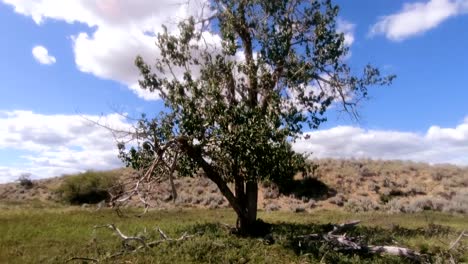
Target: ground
412,205
39,233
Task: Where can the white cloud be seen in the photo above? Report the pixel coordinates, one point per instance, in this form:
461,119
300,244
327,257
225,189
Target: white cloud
417,18
41,54
121,30
437,145
58,144
347,28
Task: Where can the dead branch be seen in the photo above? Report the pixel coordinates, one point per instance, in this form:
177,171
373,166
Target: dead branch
125,239
161,168
79,258
342,242
394,250
454,243
166,238
127,248
343,227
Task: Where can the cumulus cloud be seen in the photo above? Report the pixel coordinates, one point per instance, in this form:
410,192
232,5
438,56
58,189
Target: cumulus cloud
58,144
41,54
417,18
121,30
61,144
437,145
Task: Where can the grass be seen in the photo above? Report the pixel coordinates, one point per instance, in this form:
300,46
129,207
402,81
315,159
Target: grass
35,233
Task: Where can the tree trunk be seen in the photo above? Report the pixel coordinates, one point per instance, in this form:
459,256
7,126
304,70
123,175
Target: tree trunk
244,202
246,223
213,175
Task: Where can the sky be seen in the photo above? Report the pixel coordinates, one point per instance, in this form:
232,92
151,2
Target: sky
67,62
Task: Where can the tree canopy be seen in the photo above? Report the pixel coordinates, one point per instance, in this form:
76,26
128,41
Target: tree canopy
239,83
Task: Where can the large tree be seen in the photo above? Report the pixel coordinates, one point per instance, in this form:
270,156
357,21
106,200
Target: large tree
238,86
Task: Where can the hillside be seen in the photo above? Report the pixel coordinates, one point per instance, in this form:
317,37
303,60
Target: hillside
353,185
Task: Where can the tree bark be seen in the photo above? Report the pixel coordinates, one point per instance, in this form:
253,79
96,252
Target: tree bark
213,175
252,197
244,202
246,224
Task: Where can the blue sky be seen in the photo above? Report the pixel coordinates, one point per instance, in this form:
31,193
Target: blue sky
65,59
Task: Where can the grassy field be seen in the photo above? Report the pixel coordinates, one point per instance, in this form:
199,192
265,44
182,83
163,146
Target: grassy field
44,234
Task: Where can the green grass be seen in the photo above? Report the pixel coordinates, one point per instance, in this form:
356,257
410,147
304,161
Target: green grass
42,234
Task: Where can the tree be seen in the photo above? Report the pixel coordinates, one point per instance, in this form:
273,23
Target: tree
239,86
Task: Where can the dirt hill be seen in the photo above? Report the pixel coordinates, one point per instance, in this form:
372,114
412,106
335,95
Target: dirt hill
354,185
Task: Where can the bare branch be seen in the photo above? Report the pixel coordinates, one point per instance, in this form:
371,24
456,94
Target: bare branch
80,258
454,243
345,243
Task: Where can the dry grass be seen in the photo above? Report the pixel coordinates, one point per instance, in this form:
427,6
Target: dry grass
354,185
396,186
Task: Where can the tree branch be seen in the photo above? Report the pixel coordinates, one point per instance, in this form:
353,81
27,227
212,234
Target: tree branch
195,154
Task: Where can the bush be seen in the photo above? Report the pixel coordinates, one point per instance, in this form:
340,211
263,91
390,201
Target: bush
25,181
396,205
339,200
272,207
459,203
89,187
361,204
426,203
271,192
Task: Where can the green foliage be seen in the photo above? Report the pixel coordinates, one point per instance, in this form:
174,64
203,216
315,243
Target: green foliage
88,187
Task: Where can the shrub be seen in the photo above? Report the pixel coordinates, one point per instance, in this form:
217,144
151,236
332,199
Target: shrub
272,207
426,203
385,198
361,204
459,203
199,190
311,204
339,200
271,192
298,209
184,199
25,181
89,187
396,205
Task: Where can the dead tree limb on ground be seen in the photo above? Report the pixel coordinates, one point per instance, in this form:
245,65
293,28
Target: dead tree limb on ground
128,248
454,243
344,243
